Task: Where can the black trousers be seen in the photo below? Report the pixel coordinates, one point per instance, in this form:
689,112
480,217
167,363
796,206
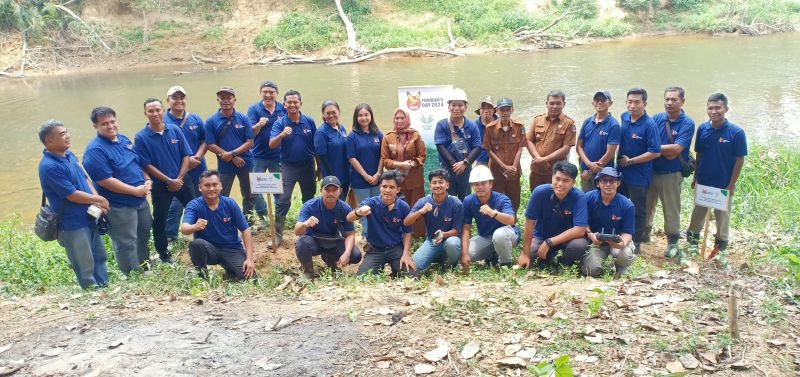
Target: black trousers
292,173
203,254
638,195
376,258
248,200
573,250
459,184
162,198
306,247
345,191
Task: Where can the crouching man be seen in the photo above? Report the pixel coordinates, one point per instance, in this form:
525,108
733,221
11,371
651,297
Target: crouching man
323,230
216,221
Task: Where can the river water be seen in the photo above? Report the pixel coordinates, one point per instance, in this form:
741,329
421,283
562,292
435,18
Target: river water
760,76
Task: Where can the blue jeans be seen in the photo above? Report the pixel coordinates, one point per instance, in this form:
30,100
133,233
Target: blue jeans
430,252
176,212
361,195
261,165
87,254
459,183
129,230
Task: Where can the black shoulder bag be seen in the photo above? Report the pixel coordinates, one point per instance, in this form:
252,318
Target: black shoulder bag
557,206
219,135
327,241
47,221
687,167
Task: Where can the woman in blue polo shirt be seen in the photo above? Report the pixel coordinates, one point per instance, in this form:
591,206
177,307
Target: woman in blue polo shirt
364,154
330,141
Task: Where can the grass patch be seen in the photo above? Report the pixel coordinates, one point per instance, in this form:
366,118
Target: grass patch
301,32
213,33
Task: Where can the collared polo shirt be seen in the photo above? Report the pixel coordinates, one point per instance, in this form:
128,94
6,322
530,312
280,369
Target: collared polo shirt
385,228
238,132
162,150
328,218
549,136
261,147
636,139
194,130
485,223
617,217
484,156
719,154
299,145
597,136
366,148
450,214
333,143
105,159
442,135
224,223
548,222
505,144
682,132
60,177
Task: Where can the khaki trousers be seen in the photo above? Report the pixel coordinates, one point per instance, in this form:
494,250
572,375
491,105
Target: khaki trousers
722,220
587,185
667,188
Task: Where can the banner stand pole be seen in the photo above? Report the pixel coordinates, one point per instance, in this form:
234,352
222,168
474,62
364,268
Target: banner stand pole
272,222
705,233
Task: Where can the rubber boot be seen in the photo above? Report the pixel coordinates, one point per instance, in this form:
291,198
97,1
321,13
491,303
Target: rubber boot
280,223
331,262
694,239
308,270
646,234
638,249
673,249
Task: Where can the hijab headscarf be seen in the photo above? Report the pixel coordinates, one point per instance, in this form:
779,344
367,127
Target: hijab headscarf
404,132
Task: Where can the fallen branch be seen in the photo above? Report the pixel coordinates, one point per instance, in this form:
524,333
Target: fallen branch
352,47
395,50
567,13
206,60
65,9
11,74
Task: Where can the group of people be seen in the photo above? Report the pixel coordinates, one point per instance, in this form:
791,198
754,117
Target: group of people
626,167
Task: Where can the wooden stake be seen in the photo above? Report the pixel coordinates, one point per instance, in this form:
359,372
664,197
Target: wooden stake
705,233
733,311
271,222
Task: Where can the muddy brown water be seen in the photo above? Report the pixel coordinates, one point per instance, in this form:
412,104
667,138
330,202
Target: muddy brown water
760,75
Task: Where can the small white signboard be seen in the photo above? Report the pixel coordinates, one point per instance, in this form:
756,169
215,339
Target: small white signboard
711,197
266,183
426,105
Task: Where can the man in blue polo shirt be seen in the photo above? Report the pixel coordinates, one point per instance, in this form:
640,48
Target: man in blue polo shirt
229,135
263,115
496,221
62,178
193,128
488,114
443,220
389,237
294,135
720,147
640,143
322,229
597,140
667,169
164,154
113,164
555,219
457,153
610,213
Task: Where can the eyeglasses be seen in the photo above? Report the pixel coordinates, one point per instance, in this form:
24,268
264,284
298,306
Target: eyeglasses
271,92
607,180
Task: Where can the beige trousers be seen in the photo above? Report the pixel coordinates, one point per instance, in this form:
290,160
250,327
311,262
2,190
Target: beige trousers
667,188
722,220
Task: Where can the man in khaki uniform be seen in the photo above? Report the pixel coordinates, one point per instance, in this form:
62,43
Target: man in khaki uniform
503,141
549,139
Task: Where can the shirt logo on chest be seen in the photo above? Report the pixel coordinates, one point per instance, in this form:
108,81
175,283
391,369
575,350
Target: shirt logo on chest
191,127
721,140
173,141
225,219
674,132
615,217
129,146
305,131
602,132
375,139
446,219
635,136
237,125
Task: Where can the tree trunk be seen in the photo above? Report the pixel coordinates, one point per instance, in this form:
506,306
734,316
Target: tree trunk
351,33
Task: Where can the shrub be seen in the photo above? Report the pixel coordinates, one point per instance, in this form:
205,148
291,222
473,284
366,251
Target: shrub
638,5
589,8
684,5
213,33
300,31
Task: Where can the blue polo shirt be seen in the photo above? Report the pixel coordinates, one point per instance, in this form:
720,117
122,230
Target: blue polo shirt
719,153
299,145
597,136
56,175
194,130
385,228
366,148
682,132
261,147
224,223
635,139
162,150
441,135
449,215
105,159
618,216
548,222
484,156
237,134
328,141
487,224
328,219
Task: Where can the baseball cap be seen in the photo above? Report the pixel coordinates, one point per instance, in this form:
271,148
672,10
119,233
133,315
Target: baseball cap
604,92
175,89
505,102
484,99
270,84
226,89
331,180
609,171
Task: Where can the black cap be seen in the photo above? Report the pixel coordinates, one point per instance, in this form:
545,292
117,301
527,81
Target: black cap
505,102
604,92
331,180
270,84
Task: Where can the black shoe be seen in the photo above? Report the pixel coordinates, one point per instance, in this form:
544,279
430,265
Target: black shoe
646,234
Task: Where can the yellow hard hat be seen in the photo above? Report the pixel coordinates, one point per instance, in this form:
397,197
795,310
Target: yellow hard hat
480,173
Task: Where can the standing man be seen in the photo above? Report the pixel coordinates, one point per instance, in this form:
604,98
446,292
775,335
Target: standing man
720,147
640,143
263,115
193,129
443,220
504,139
216,221
496,221
294,134
164,155
459,143
488,115
389,237
62,178
550,137
667,169
597,140
113,164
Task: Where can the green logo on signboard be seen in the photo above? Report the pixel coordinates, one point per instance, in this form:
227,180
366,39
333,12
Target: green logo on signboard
427,123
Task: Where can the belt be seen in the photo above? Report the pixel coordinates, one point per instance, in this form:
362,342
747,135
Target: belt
299,163
384,248
664,172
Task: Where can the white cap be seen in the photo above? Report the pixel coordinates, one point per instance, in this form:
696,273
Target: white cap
174,90
457,95
480,173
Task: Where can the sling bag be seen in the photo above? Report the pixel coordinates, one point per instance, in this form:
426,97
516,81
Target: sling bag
47,221
458,142
219,135
687,167
327,241
557,206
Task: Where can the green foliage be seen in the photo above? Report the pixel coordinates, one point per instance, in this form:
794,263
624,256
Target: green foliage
135,35
300,31
213,33
638,5
558,368
595,303
684,5
355,8
378,34
589,8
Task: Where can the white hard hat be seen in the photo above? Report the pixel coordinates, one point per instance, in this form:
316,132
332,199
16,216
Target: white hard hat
457,95
480,173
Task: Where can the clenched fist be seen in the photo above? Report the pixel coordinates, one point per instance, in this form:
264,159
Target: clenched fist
200,224
311,222
363,211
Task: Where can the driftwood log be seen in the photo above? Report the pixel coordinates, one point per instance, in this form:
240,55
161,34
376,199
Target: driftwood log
546,40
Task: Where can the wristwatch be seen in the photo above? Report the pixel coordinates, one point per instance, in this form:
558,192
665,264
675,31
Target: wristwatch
495,214
630,161
169,180
466,161
233,153
549,242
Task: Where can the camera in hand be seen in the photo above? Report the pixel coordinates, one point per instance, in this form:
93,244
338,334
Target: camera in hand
603,236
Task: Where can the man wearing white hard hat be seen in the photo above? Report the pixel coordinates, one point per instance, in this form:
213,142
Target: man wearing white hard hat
458,141
495,218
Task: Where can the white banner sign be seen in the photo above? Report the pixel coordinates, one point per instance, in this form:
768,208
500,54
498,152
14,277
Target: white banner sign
711,197
427,105
266,183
